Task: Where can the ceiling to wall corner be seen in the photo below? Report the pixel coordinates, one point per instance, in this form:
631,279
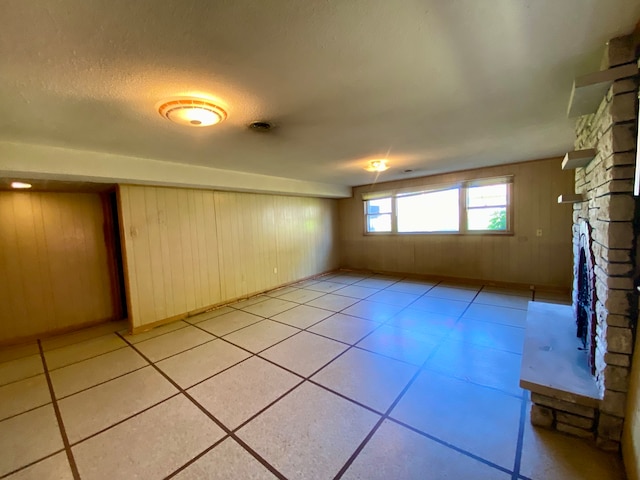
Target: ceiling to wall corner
431,85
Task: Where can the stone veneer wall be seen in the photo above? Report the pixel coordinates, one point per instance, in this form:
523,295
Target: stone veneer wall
612,212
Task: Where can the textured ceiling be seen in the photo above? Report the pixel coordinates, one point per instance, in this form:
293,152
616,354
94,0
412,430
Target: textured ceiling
434,85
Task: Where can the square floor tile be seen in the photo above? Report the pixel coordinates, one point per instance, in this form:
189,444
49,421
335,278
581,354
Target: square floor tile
332,302
499,300
489,334
304,353
347,278
481,365
443,306
550,455
399,299
20,368
201,317
82,335
404,345
28,437
93,410
301,295
229,322
194,365
155,332
310,433
226,461
237,394
395,452
55,467
19,351
261,335
428,323
306,283
491,313
344,328
366,377
354,291
171,343
302,316
325,286
452,293
374,311
270,307
476,419
250,301
281,291
375,283
77,352
73,378
150,445
23,395
411,286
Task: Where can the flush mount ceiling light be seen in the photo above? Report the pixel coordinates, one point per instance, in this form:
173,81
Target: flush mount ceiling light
377,166
192,112
20,185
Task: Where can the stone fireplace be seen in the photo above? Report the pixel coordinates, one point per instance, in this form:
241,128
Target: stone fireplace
605,242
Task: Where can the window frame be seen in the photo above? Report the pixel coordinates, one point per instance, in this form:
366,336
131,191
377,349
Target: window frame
463,207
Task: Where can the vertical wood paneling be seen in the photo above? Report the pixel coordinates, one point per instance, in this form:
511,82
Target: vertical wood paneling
518,258
53,263
210,247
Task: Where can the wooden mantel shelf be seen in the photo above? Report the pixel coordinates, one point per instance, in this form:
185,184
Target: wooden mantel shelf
571,198
578,158
589,90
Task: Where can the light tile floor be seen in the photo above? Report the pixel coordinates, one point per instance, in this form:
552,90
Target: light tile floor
346,376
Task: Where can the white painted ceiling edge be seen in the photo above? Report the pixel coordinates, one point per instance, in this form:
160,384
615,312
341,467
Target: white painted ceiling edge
28,161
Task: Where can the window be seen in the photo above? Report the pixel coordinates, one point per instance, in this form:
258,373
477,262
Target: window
379,215
429,212
476,206
487,208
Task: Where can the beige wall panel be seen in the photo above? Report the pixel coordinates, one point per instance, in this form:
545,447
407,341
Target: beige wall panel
189,249
518,258
53,262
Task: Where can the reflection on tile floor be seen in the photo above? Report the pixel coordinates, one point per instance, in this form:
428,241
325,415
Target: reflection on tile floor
344,376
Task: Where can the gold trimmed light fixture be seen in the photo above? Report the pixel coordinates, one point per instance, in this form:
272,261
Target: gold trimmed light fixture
192,112
377,166
20,185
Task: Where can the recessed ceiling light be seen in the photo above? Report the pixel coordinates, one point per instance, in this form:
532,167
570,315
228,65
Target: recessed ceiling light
377,166
20,185
192,112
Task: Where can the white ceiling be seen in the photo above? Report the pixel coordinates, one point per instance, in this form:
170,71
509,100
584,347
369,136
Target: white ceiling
434,85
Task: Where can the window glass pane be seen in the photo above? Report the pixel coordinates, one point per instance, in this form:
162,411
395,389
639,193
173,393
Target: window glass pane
379,223
492,218
429,212
491,195
380,205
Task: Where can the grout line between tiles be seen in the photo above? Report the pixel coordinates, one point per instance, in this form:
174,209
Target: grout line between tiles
24,467
25,411
56,409
21,379
520,442
122,420
221,425
196,458
84,359
451,446
100,383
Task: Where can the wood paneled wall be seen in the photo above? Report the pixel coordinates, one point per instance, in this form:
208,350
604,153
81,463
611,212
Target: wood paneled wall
519,258
188,249
54,273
